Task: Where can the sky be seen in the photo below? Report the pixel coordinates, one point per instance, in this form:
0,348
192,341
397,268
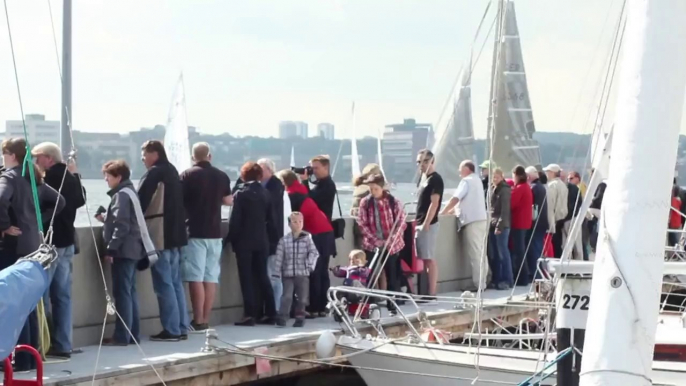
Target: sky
249,64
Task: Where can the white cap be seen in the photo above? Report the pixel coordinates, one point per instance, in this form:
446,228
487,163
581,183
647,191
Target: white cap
555,168
531,170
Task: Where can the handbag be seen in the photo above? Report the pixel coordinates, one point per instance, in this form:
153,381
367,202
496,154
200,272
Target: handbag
338,224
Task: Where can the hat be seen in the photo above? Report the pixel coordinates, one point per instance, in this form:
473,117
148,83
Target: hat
488,165
531,170
555,168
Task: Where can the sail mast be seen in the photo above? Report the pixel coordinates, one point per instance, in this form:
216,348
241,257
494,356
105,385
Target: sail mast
491,99
628,270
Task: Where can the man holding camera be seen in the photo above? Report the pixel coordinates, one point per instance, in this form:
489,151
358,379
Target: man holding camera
323,193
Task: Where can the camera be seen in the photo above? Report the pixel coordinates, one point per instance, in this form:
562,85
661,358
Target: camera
303,170
100,210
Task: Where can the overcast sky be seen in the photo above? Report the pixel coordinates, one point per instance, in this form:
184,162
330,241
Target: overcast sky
250,64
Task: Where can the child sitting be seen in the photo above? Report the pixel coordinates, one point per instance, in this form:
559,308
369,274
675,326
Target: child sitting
296,257
356,273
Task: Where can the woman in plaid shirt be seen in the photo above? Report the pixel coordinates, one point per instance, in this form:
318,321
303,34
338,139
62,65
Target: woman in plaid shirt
380,214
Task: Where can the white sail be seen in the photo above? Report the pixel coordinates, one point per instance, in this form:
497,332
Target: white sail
292,156
379,154
354,158
176,141
629,265
455,141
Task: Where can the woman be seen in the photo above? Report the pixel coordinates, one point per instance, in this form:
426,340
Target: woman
500,260
250,225
361,189
122,238
382,222
521,208
315,223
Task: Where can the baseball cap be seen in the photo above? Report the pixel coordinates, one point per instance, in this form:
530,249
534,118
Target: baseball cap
531,170
555,168
487,165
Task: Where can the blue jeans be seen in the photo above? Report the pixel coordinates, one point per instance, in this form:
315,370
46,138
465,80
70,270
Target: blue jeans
535,252
125,299
502,262
57,299
277,284
518,252
171,298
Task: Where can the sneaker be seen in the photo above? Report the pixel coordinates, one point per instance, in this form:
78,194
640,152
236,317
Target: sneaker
58,355
113,343
299,323
281,322
183,337
504,286
165,336
197,328
309,315
247,322
323,314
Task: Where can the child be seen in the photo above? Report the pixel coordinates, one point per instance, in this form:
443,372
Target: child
296,257
355,274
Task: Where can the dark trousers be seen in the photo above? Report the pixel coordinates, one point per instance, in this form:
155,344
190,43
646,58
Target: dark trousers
319,279
557,238
535,252
255,284
301,287
585,239
392,269
520,268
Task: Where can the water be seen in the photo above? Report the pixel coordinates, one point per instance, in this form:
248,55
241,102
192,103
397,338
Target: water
97,196
330,377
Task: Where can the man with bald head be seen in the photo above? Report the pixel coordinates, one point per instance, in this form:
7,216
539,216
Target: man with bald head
205,189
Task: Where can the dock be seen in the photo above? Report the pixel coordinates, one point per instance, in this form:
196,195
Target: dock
184,363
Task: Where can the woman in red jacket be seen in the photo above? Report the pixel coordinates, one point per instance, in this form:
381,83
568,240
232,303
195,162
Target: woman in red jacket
521,207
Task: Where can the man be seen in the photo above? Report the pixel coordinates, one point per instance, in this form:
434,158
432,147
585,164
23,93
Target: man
574,200
468,204
58,175
485,166
276,190
429,200
575,178
557,205
161,196
594,211
205,189
540,221
324,190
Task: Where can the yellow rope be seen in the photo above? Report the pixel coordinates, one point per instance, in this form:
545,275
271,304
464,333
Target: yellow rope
43,330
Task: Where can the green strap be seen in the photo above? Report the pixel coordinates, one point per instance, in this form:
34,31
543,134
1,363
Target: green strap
28,160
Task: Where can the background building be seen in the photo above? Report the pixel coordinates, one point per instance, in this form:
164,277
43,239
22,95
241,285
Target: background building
290,129
400,145
38,129
325,130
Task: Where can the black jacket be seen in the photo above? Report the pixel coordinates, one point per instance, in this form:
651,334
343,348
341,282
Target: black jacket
174,214
324,195
541,203
574,201
251,225
72,191
275,188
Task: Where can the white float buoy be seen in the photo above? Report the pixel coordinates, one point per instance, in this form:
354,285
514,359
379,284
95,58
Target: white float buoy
326,345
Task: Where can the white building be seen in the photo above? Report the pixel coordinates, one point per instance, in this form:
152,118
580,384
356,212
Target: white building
38,129
289,129
325,130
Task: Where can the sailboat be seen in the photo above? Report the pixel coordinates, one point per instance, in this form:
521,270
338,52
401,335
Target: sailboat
624,296
354,156
176,142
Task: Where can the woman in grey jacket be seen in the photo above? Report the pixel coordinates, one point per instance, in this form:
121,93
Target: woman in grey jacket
122,238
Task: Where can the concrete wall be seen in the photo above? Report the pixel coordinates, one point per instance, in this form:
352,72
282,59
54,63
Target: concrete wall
89,299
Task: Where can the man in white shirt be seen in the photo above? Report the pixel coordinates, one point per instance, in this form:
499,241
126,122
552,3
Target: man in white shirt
469,205
557,205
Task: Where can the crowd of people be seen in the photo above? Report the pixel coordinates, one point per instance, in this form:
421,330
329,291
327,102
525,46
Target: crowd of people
281,230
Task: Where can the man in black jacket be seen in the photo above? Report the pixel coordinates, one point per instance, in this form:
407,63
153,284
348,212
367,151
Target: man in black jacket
161,195
324,190
574,201
59,176
540,221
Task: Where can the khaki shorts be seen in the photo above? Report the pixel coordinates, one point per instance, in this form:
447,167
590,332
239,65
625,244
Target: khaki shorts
425,242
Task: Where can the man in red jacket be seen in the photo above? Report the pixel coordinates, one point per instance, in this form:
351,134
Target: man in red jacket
521,207
318,225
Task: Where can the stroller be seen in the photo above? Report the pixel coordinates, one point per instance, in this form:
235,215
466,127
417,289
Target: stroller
354,276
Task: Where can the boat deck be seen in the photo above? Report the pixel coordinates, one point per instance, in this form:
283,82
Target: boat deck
183,363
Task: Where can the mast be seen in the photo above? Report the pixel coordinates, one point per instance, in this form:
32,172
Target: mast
494,63
628,270
65,136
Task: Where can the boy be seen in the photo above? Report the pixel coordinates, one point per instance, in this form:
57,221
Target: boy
296,257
